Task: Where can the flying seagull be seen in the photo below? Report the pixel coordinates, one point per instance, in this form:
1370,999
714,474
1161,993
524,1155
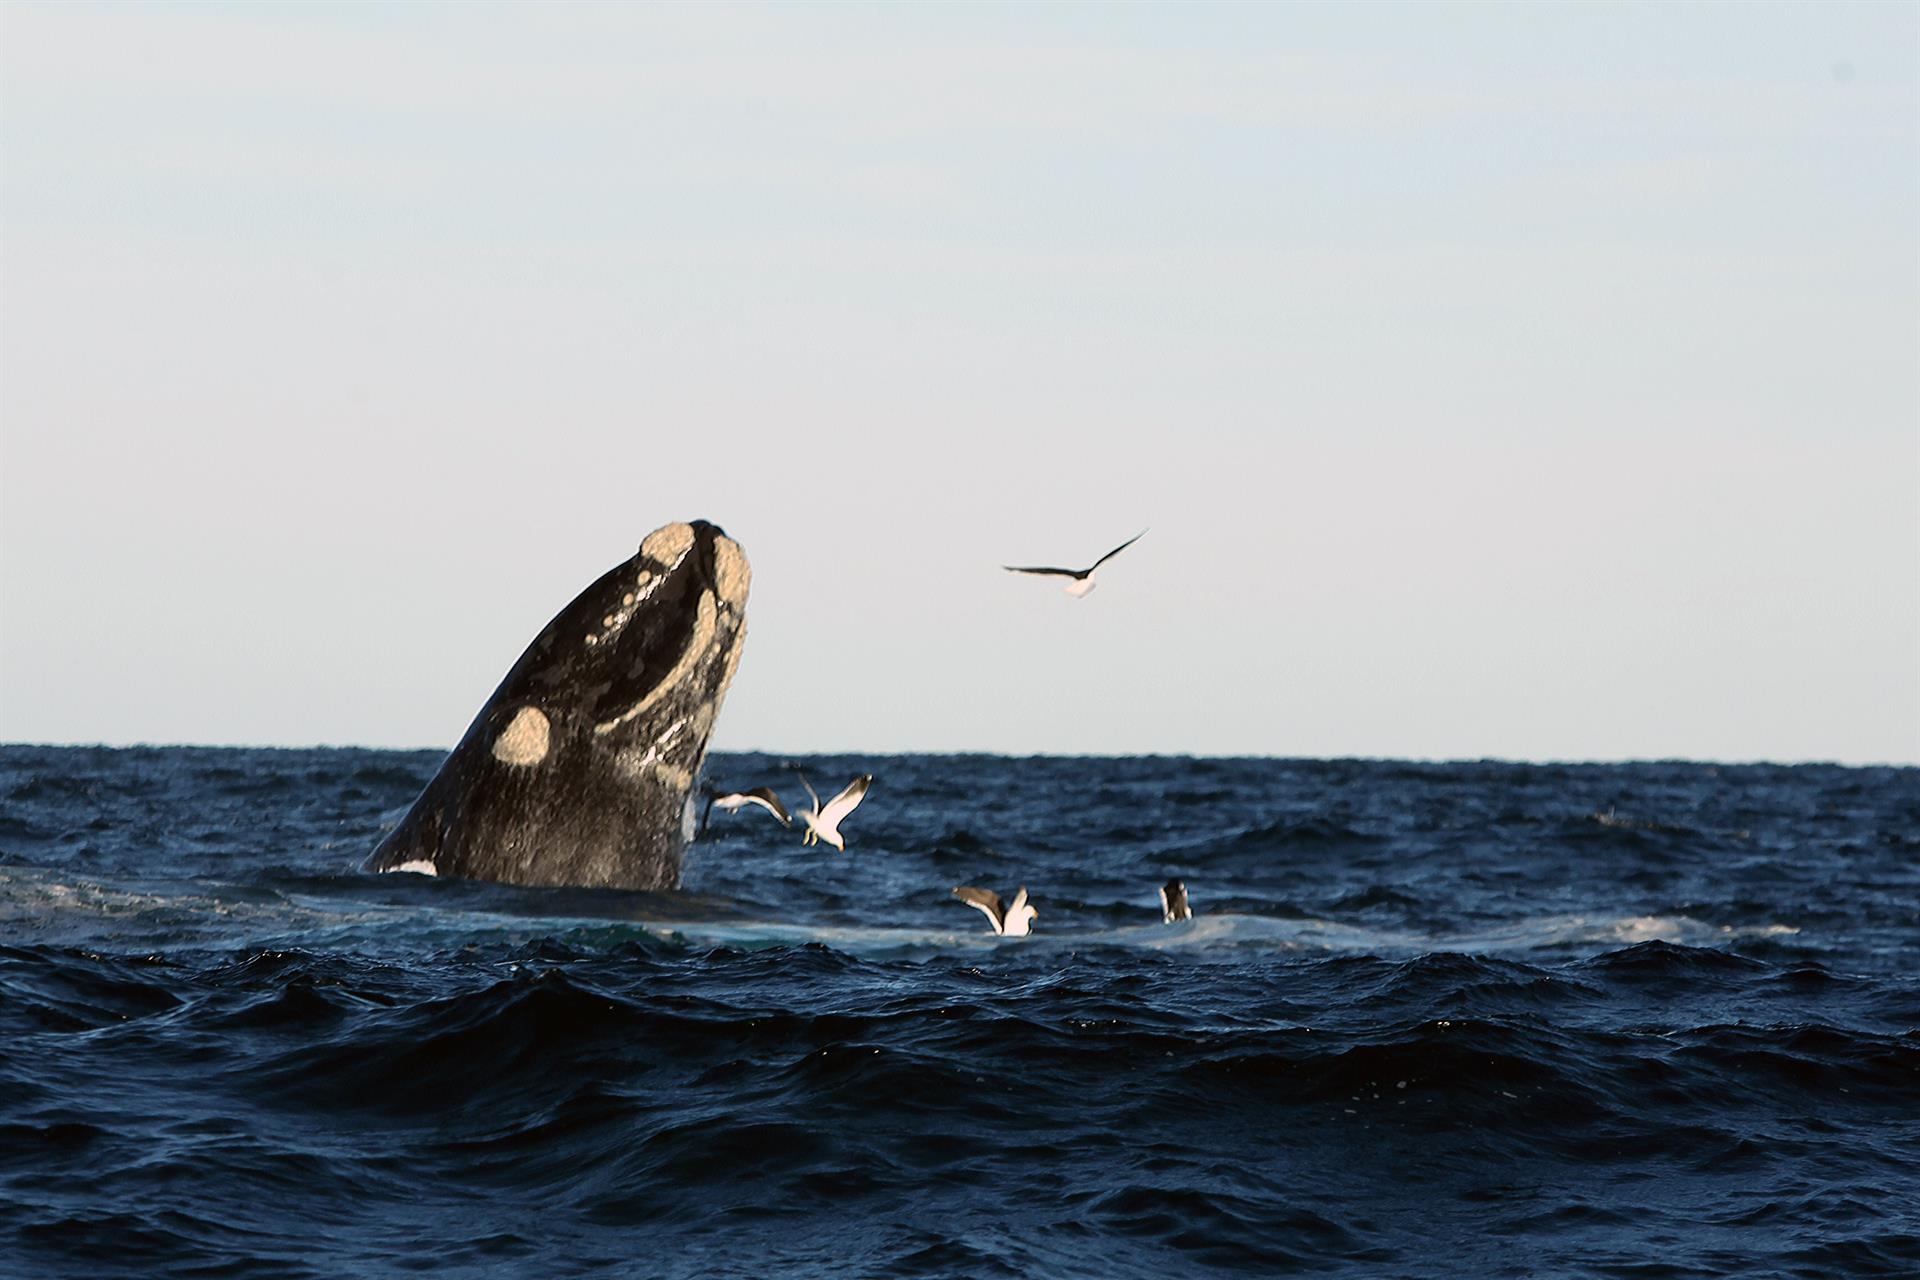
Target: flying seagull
732,800
1080,580
1173,902
823,822
1009,922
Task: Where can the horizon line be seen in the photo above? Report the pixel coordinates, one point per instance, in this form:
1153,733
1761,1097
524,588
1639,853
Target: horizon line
1542,762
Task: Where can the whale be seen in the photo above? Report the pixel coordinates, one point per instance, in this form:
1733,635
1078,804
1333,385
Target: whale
578,770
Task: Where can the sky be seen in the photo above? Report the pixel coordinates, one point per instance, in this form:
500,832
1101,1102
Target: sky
1536,382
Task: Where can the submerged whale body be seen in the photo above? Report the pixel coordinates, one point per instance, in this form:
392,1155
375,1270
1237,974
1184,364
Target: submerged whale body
578,768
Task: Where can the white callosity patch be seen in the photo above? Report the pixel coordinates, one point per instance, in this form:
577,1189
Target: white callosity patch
731,576
731,579
673,776
655,762
644,584
524,741
651,766
419,867
668,545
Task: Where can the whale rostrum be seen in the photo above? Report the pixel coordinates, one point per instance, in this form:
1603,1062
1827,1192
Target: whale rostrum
578,768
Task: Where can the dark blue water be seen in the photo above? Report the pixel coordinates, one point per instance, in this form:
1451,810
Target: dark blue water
1430,1020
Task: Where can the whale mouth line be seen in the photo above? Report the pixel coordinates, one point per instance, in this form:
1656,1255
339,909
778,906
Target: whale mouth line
692,653
702,590
650,646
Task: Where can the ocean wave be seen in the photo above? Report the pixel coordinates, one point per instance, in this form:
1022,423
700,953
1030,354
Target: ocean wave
1429,1019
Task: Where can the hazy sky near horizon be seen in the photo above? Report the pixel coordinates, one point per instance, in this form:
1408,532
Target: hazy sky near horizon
1521,381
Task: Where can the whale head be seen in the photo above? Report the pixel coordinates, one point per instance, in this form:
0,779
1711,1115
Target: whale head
578,769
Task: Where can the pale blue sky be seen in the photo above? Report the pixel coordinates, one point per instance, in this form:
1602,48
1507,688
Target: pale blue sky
1530,381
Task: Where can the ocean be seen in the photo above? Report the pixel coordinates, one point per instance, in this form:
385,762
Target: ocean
1429,1020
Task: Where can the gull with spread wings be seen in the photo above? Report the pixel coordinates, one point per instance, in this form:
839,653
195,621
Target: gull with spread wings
733,800
1080,580
823,821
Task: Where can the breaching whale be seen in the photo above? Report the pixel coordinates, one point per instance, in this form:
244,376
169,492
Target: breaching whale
578,768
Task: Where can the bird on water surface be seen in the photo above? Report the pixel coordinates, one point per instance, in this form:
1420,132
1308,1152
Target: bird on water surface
1015,921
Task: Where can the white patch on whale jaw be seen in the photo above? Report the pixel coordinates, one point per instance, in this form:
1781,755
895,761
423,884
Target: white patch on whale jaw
525,739
419,867
650,766
656,763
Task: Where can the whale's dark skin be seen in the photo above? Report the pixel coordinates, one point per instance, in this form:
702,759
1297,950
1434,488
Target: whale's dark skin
578,768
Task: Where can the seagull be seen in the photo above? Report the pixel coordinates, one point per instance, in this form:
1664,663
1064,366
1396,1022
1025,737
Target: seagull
762,796
1015,921
1081,579
823,822
1173,902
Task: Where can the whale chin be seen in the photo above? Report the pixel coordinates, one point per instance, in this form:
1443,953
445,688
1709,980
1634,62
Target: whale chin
577,770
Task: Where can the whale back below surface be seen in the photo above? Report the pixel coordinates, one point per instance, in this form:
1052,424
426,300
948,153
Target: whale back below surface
578,768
